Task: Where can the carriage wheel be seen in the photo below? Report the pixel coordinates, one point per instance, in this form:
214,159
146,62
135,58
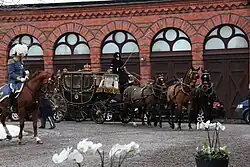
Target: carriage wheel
98,112
59,107
109,116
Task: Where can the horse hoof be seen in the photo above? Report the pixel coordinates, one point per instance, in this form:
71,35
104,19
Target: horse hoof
20,143
39,142
8,137
190,128
179,128
160,126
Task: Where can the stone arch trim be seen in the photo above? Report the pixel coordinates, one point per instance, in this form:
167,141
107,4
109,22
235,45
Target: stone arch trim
22,29
69,27
225,18
166,22
118,25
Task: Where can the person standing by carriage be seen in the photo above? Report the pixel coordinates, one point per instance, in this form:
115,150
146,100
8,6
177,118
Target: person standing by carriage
16,73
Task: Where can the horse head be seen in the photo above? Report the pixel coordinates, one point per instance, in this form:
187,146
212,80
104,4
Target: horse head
160,80
205,80
192,76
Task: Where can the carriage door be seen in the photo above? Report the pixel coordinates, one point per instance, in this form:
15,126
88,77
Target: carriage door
71,52
34,60
226,57
170,53
124,43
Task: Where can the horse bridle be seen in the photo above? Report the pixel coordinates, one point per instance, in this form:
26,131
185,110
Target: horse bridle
187,85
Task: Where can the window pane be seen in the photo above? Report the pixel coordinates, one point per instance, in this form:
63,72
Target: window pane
110,48
35,51
72,39
16,41
226,31
26,40
214,32
159,36
11,51
81,39
110,38
120,37
61,40
238,31
237,42
81,49
130,36
181,45
160,46
181,34
63,50
171,35
215,43
130,47
35,40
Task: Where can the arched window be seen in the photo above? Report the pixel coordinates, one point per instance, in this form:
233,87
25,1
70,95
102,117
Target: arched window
170,53
72,52
171,39
226,55
124,43
226,37
34,60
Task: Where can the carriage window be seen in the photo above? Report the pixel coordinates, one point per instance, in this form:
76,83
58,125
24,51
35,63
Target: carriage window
34,60
72,52
226,37
76,82
171,39
120,41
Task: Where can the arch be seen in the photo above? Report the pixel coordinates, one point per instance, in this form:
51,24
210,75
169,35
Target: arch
22,29
225,18
226,54
67,28
170,52
123,25
123,42
71,51
34,60
166,22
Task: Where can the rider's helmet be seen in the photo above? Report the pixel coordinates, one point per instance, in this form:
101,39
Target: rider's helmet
205,77
20,50
117,56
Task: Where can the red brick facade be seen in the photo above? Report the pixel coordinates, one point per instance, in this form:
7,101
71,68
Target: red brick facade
142,20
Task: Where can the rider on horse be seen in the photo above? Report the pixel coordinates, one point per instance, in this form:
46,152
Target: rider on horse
16,72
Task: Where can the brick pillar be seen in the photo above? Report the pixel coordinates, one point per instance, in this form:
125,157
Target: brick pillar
48,60
197,56
95,59
145,69
3,66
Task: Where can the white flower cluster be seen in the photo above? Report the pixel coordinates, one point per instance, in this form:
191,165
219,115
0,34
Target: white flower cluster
85,146
209,125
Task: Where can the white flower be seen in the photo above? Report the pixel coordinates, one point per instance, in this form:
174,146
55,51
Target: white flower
198,125
117,150
202,125
133,147
95,147
212,125
197,149
207,124
76,156
62,156
84,145
220,126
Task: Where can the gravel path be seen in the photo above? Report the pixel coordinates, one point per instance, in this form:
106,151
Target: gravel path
160,147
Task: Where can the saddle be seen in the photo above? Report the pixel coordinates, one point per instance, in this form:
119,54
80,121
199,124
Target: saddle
7,89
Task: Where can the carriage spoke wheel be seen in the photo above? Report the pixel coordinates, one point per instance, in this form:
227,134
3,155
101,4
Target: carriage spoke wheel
98,112
59,105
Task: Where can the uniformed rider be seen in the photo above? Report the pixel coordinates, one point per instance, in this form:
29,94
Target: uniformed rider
116,63
16,72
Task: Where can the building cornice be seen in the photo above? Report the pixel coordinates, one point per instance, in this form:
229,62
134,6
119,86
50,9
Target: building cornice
120,11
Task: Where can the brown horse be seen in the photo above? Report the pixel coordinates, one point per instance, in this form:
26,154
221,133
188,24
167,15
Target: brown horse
28,100
180,94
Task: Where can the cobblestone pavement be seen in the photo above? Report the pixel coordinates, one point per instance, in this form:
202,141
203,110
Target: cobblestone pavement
160,147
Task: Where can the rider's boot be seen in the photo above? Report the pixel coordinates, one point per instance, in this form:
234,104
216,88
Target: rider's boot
51,122
13,103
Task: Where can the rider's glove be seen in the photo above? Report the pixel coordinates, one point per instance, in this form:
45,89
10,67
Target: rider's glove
23,79
27,73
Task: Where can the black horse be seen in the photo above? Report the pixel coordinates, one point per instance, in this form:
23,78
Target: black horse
205,96
144,98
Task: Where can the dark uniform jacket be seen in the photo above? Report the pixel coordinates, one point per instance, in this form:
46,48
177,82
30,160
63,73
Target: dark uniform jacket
45,107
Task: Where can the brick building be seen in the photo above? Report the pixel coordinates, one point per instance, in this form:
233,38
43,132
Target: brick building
161,36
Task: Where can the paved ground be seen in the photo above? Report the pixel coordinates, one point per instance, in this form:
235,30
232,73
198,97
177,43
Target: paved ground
160,147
